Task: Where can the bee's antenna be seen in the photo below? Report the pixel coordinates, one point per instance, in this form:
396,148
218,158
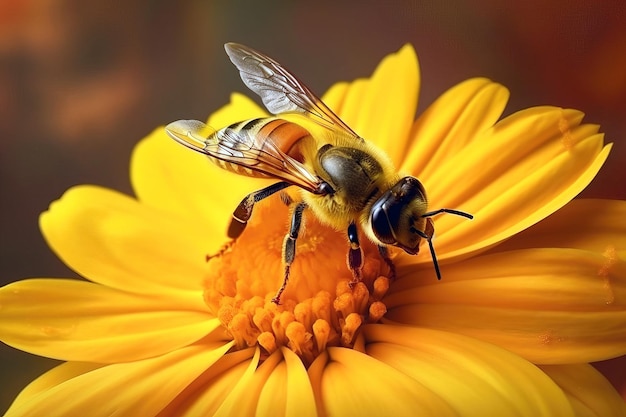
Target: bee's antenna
450,211
432,249
435,262
429,238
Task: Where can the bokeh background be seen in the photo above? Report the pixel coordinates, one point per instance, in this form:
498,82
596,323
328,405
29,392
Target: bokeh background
81,82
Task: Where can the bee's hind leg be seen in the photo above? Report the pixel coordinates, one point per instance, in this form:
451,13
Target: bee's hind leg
225,248
242,213
289,246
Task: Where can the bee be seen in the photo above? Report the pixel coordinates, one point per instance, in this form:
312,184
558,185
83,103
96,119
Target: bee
345,181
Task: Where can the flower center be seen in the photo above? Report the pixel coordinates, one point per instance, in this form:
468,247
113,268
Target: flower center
318,307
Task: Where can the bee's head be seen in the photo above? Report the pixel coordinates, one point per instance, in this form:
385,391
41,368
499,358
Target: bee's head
397,217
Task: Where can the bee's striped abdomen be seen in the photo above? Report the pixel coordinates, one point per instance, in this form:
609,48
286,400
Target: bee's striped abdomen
240,147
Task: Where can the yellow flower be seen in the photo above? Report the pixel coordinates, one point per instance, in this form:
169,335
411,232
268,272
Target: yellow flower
533,288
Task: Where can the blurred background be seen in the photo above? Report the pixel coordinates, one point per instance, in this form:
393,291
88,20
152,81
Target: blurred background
82,82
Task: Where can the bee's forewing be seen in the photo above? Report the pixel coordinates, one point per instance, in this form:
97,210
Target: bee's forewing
279,89
238,151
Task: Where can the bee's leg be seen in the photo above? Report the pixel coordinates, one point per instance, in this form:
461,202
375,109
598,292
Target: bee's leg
384,253
355,254
289,246
242,213
225,248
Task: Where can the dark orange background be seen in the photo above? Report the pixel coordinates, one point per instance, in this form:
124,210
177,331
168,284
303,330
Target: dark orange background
82,82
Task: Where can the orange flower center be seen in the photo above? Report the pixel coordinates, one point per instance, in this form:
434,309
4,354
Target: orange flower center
318,308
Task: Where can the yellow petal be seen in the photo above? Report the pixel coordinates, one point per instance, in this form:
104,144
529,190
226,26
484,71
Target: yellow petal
454,120
114,240
248,402
140,388
168,176
548,305
474,378
352,383
336,96
300,398
590,394
287,391
594,225
381,109
208,393
240,108
274,393
81,321
52,378
240,398
541,159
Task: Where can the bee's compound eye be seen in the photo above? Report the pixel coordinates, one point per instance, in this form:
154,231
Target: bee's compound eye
380,220
394,216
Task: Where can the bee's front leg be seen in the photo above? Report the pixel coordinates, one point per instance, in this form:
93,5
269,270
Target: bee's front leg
289,245
355,254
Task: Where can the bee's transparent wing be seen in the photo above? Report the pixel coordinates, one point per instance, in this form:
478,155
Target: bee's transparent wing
243,153
279,89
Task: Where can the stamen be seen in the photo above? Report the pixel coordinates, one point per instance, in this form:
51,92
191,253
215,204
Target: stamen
280,323
225,315
267,341
349,329
241,282
262,319
361,297
244,334
381,286
303,313
344,304
321,331
377,311
299,340
321,307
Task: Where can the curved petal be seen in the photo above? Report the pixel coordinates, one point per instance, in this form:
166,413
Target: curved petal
207,393
287,391
536,175
351,383
590,394
382,108
240,108
114,240
249,401
336,95
56,376
170,177
280,386
593,225
241,399
98,392
455,119
472,377
300,398
550,306
81,321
